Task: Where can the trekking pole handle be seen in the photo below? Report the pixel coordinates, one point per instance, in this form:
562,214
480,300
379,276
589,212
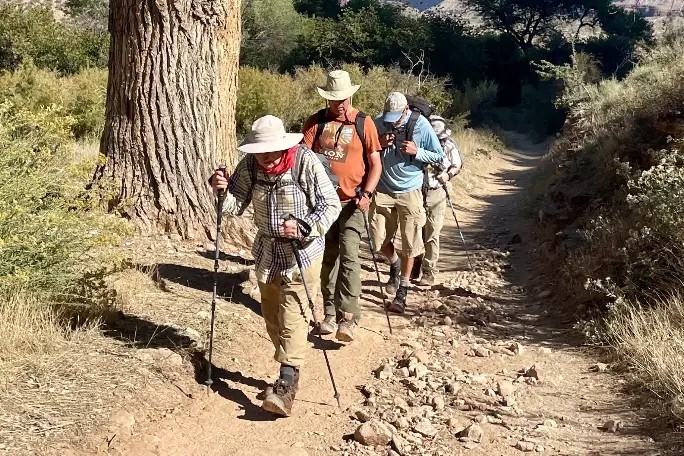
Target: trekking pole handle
222,168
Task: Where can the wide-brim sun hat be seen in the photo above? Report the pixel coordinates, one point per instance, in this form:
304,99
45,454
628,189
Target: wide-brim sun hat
438,124
338,86
268,135
395,104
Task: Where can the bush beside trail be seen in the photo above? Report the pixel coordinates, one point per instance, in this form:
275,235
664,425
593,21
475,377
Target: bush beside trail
614,210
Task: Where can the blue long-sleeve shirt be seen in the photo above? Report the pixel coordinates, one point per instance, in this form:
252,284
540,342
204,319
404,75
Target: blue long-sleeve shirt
403,173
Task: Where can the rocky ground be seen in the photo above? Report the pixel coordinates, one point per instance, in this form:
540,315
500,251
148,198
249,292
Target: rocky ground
482,363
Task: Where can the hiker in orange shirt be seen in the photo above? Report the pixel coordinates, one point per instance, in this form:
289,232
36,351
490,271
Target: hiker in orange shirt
349,140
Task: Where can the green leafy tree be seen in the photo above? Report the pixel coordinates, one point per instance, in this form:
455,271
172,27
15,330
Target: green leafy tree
270,30
35,34
318,8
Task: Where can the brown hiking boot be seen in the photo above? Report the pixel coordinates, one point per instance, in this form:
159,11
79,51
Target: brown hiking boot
327,326
280,399
345,329
427,280
264,394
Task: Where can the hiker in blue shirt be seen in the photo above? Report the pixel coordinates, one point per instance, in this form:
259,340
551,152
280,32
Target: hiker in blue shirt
409,143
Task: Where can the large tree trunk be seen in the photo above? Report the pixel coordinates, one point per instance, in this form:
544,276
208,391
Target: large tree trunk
170,117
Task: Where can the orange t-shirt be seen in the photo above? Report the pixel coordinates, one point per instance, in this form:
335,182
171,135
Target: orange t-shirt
342,146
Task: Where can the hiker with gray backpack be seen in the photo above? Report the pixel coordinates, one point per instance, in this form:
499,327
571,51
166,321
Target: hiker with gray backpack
409,143
348,140
294,205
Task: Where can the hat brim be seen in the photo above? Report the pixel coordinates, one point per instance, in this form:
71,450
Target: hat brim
338,95
392,117
284,143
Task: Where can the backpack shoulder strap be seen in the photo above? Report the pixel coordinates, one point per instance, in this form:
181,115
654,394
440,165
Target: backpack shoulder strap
412,124
320,117
297,168
252,165
360,124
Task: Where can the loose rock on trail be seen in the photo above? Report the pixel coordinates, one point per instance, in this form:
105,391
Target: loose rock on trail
479,365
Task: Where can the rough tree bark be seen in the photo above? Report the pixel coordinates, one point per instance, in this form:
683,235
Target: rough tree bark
170,115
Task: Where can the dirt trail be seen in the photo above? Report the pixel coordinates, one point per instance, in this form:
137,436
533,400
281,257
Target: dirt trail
489,309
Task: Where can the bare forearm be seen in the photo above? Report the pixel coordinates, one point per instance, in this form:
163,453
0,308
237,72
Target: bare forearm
374,172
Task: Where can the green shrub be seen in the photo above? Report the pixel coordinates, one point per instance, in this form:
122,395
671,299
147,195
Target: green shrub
35,34
294,98
474,98
81,96
622,155
45,238
270,30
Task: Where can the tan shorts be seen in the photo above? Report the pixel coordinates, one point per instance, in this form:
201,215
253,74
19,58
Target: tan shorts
405,211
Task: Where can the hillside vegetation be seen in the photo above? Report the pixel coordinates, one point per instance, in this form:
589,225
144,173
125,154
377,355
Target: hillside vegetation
614,211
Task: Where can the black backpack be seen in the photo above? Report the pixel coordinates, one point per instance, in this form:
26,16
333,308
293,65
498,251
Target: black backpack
418,107
360,132
421,105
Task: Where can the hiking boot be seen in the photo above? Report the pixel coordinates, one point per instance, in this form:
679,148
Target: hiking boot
345,329
394,280
327,326
264,394
427,280
280,398
398,304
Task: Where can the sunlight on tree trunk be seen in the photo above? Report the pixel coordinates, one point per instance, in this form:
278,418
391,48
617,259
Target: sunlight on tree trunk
170,115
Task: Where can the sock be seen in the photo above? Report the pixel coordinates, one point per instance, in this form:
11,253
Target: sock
404,281
287,374
395,261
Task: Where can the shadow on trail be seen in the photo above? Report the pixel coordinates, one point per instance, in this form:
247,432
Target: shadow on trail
221,384
506,223
229,284
228,257
136,332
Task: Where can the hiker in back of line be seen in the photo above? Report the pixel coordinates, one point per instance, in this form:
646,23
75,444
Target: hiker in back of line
409,143
280,177
438,175
349,140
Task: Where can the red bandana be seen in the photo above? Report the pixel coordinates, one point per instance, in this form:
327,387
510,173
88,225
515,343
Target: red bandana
287,161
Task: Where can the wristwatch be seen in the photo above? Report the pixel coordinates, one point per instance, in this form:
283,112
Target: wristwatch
368,194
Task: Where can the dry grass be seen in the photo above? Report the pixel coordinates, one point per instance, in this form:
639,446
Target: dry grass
55,381
28,329
651,341
476,146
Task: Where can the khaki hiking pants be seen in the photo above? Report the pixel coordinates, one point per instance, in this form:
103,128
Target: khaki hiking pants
436,210
341,273
404,212
282,305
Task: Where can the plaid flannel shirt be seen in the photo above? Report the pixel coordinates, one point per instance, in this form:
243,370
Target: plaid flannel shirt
313,199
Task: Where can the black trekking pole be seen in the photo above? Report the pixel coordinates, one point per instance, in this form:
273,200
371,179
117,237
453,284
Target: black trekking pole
217,252
296,246
375,263
453,211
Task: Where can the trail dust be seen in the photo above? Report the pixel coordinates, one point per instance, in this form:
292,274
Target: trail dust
476,335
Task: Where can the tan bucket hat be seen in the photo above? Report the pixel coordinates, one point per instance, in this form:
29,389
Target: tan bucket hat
338,86
268,135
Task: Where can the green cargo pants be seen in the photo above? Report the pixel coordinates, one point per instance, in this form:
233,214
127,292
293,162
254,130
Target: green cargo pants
341,271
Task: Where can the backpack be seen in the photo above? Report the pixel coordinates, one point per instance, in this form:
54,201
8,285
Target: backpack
296,174
360,132
418,107
421,105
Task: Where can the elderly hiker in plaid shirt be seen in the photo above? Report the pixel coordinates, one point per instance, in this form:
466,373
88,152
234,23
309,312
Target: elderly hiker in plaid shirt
280,177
